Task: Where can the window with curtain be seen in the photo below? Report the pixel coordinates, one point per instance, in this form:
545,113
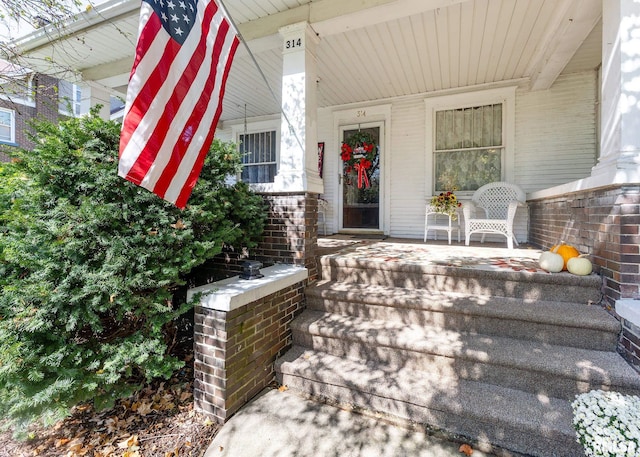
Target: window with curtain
7,127
258,151
468,147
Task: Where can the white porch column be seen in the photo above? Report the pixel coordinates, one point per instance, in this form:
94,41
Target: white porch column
620,111
298,167
93,95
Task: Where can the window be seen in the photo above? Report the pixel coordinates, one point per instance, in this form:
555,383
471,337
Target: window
69,98
18,88
7,126
259,164
469,147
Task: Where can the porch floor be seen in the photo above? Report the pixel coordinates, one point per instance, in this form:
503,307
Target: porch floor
482,256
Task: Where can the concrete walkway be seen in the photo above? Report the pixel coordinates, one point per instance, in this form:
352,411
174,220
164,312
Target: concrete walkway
284,424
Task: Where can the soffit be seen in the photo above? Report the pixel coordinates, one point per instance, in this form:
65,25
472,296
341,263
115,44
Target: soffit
392,48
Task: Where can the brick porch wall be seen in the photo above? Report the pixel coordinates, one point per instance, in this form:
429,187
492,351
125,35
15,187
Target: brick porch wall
604,223
235,351
290,237
291,234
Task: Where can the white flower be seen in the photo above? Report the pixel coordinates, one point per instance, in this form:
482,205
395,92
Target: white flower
606,423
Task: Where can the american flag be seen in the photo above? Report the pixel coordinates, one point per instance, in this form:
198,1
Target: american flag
174,99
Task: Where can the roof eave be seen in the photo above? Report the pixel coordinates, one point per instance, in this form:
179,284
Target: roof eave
80,22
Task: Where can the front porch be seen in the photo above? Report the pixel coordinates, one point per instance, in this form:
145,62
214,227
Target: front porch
473,340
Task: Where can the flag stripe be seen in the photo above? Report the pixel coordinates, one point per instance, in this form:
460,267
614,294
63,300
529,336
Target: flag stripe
167,124
146,13
197,115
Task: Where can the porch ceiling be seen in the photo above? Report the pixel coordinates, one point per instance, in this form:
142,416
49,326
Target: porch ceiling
370,49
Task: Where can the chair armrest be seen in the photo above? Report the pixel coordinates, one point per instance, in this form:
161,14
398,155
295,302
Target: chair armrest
513,207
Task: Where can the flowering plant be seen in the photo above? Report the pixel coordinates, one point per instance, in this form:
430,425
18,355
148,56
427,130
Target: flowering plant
607,423
446,203
358,152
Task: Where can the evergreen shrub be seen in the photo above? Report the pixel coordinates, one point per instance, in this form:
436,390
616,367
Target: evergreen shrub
89,262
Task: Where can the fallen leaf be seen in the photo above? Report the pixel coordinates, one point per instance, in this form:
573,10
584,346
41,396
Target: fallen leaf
144,408
61,442
75,446
283,389
112,424
131,441
466,449
178,225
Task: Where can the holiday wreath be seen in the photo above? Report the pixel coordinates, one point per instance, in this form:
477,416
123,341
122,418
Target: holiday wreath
358,153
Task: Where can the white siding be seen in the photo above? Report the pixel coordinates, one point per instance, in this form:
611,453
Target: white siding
330,171
555,142
556,132
406,167
224,132
409,193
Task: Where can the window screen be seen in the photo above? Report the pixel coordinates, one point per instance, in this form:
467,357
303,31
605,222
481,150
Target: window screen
258,156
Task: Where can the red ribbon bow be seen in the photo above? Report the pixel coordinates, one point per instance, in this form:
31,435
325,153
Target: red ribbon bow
363,179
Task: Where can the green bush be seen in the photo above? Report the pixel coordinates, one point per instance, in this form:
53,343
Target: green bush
88,264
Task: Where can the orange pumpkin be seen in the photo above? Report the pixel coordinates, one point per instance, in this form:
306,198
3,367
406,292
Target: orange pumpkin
566,251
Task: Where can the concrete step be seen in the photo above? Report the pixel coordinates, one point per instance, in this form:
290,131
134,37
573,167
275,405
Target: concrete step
522,422
538,285
559,323
534,367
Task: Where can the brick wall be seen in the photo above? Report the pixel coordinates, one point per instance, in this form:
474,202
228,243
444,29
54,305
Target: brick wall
290,237
235,351
46,107
291,234
630,343
604,223
46,97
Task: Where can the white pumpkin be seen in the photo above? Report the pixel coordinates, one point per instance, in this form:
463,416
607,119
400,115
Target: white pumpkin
551,262
579,266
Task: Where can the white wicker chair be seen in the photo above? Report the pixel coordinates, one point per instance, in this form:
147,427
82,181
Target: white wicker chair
499,200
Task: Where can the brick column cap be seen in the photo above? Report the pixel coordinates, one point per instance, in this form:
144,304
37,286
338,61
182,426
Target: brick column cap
232,293
629,310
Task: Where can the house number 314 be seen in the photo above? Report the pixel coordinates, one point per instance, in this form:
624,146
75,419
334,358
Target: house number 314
295,43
